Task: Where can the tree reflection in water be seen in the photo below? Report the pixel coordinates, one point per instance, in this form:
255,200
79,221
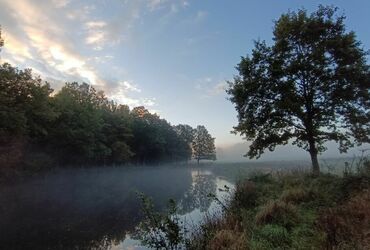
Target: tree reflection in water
197,197
83,209
94,208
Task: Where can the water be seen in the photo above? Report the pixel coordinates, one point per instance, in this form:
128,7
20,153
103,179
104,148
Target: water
99,208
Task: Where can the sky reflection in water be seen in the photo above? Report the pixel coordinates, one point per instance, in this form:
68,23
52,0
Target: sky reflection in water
98,208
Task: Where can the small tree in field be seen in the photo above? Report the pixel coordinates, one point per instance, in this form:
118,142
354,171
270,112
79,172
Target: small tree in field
203,145
311,86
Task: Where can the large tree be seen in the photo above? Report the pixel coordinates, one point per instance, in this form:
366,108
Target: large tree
203,145
310,86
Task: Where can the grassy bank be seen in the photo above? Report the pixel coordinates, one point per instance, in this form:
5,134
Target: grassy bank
294,210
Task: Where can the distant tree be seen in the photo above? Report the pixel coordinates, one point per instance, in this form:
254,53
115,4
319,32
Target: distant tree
186,133
312,85
155,140
116,132
1,40
203,145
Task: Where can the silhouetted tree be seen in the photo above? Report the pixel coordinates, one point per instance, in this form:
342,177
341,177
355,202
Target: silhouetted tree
155,140
79,125
203,145
1,40
311,85
76,131
25,114
186,133
117,132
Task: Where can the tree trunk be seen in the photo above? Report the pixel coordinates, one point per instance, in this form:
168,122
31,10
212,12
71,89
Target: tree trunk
314,160
198,160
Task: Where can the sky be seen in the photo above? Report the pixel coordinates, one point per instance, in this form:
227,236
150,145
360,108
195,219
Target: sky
172,56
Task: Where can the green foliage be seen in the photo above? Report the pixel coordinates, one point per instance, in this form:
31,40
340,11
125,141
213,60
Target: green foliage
81,126
247,194
24,104
277,212
297,210
203,145
310,86
295,196
155,140
77,129
25,116
1,40
272,236
186,133
161,230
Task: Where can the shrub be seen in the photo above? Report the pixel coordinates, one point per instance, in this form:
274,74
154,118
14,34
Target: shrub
325,190
277,212
245,195
228,239
349,224
275,235
261,178
160,230
306,236
295,196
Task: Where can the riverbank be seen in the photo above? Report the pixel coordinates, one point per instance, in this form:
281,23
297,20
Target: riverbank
294,210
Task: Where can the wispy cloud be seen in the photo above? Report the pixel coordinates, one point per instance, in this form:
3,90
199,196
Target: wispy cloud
61,3
219,88
200,15
96,34
208,87
66,40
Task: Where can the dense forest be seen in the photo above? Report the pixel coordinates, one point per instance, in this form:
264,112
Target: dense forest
78,125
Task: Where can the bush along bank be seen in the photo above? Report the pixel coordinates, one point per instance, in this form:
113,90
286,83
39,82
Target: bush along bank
294,210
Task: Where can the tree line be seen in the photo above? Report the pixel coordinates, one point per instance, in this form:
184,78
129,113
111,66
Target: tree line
79,125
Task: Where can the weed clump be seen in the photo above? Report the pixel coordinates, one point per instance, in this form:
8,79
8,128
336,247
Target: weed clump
295,196
277,212
271,236
246,195
228,239
349,224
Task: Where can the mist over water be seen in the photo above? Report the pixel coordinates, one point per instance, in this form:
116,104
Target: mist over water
98,208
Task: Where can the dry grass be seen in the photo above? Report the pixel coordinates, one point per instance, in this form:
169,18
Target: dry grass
277,212
228,239
294,196
246,194
348,226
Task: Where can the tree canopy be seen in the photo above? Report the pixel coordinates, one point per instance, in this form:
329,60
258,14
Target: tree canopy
79,125
310,86
203,145
1,40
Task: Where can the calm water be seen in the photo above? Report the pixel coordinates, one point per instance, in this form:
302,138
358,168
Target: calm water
99,208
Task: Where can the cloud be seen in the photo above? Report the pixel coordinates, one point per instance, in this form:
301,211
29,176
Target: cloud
59,41
64,40
33,43
60,3
219,88
130,87
96,34
122,94
156,4
207,88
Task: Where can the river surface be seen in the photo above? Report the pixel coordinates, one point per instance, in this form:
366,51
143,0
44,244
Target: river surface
99,208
